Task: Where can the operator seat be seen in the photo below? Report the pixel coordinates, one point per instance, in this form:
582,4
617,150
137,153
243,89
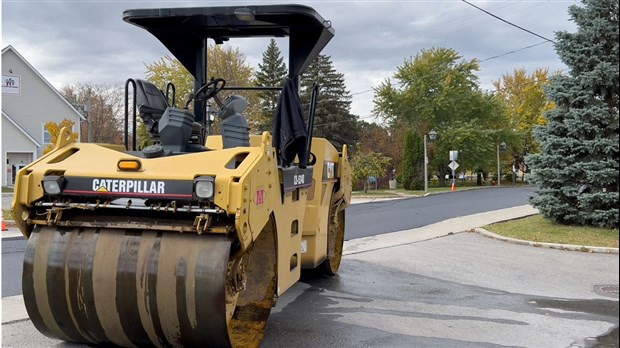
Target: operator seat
235,128
151,104
170,128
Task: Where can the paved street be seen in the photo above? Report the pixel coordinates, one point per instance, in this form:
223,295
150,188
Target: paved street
435,286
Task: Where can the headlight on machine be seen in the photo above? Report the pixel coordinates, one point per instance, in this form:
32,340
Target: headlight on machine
204,187
52,184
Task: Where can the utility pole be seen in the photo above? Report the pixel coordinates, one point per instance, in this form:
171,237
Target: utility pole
86,108
431,135
425,167
498,169
90,118
499,174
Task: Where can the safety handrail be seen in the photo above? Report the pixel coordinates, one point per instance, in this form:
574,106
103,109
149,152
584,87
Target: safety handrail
169,86
127,114
313,98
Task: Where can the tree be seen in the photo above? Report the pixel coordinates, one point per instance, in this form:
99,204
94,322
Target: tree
144,136
413,162
272,72
526,104
476,138
105,119
367,164
333,120
381,139
577,169
170,70
435,90
54,129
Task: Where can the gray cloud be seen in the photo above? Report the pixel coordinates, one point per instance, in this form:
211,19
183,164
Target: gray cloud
87,41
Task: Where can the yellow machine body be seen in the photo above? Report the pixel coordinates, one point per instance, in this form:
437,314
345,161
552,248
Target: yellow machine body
249,197
189,241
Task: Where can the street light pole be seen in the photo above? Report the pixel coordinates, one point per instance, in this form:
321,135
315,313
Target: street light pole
425,167
498,169
431,135
499,174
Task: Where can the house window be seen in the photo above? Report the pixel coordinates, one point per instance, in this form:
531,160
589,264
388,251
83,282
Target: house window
47,137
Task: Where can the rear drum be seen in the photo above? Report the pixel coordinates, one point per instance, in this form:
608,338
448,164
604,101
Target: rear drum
142,287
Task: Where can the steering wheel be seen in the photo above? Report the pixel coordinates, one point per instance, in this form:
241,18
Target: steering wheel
210,89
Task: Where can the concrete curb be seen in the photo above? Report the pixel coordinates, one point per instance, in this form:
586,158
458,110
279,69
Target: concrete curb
582,248
460,224
10,223
13,309
12,233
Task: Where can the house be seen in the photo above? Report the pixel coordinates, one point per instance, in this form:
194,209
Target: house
28,102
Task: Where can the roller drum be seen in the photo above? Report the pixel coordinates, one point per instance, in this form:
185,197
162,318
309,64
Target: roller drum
137,288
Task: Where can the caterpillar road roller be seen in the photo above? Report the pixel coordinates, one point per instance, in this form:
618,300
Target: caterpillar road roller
188,241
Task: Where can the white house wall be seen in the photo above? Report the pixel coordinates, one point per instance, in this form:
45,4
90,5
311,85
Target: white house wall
17,150
36,105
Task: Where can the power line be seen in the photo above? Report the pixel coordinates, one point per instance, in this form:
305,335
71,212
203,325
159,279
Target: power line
507,22
513,51
362,92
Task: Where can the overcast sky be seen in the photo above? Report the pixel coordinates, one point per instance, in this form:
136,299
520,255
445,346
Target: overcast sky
70,42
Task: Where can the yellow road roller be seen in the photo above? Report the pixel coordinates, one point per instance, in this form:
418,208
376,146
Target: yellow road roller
188,241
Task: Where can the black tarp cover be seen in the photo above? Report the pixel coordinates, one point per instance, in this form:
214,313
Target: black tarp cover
289,130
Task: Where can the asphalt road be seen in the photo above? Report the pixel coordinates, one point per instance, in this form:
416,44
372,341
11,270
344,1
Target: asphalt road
380,217
12,259
461,290
457,290
362,220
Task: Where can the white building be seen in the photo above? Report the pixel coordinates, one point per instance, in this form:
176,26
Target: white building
28,102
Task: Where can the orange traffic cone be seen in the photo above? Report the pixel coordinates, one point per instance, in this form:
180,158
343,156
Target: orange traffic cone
4,228
453,187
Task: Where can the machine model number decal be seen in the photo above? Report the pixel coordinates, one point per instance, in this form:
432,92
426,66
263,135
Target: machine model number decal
299,179
294,178
129,186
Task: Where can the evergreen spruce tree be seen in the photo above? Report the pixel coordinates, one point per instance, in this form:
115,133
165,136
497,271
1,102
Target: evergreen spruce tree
333,120
413,162
272,72
577,169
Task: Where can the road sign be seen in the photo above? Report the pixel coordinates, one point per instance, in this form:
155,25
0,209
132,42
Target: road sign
453,165
454,155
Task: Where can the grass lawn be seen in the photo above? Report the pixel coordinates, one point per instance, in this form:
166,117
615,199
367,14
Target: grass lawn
538,229
7,214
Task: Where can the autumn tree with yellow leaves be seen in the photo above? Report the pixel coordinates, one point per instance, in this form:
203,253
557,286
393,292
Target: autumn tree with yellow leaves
526,105
54,128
